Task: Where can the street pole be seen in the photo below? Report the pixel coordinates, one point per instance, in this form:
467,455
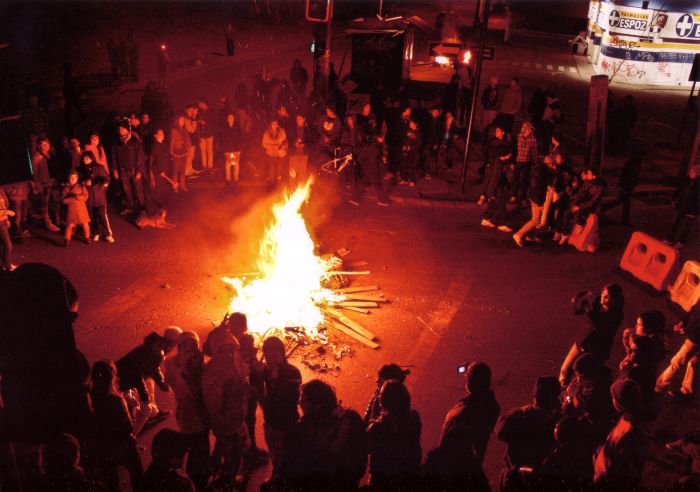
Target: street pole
475,93
688,109
327,52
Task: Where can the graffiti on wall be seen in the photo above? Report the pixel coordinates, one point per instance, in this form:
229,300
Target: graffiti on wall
625,70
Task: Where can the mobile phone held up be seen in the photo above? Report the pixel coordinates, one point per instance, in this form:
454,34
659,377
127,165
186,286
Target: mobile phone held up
462,369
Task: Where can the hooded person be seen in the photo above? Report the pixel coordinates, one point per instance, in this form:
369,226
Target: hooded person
183,373
168,450
225,392
619,462
386,372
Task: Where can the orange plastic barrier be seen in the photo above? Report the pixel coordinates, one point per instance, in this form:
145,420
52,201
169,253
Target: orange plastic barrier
685,291
586,237
651,261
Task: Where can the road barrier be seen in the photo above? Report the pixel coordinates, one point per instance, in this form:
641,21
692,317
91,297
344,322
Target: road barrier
685,291
586,237
651,261
538,39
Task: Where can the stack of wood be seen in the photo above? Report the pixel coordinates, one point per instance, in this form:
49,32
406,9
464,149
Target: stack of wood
358,300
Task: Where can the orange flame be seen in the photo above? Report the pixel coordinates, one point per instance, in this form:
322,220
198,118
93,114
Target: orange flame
288,292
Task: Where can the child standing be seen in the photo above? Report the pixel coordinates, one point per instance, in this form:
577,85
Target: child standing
74,196
96,180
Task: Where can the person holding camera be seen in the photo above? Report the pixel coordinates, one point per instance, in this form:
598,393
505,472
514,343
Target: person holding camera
604,315
475,415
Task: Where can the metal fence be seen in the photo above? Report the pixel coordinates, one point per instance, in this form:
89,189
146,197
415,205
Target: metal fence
537,39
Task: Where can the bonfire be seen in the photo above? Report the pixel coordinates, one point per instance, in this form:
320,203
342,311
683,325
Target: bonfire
289,290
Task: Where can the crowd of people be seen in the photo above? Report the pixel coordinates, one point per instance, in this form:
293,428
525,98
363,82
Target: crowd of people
77,428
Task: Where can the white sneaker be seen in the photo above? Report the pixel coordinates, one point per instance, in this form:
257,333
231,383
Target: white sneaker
109,239
96,238
505,228
487,223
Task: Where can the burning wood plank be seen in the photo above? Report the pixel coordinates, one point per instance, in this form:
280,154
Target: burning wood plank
351,324
363,304
351,333
358,264
366,297
364,272
349,290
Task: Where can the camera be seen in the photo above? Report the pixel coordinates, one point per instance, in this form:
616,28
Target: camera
461,369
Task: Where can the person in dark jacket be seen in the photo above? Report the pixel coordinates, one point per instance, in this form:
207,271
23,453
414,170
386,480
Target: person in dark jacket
584,203
168,450
301,139
115,446
498,154
569,467
72,96
281,383
159,166
386,372
62,470
644,347
687,203
368,149
604,315
394,440
327,449
536,193
619,462
410,147
231,141
96,179
180,146
128,166
329,128
298,77
627,183
140,369
475,416
528,432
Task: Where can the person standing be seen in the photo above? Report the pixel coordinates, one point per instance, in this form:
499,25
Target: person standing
35,120
71,97
281,381
301,139
511,105
536,193
687,356
128,167
605,314
98,151
627,183
159,167
489,104
75,196
299,77
5,240
498,155
274,142
230,45
525,158
163,66
191,129
43,182
369,143
330,128
179,146
231,141
687,198
528,432
183,373
475,416
410,148
205,126
96,179
619,462
225,391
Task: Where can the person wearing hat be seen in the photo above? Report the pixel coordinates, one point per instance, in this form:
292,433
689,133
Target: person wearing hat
168,450
128,166
139,372
281,383
619,462
386,373
475,415
528,432
75,196
183,373
225,391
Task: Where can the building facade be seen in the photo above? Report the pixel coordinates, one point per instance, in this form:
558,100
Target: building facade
655,45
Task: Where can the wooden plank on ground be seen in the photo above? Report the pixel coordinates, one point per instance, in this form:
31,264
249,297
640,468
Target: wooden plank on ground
349,290
364,304
351,324
366,297
351,333
355,309
357,264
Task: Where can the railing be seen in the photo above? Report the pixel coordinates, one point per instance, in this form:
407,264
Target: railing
537,39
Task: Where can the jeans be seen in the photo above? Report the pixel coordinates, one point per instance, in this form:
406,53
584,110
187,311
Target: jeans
189,171
232,165
179,171
275,445
206,152
133,189
687,356
536,215
521,178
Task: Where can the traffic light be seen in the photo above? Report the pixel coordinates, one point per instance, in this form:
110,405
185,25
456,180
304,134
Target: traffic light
318,10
